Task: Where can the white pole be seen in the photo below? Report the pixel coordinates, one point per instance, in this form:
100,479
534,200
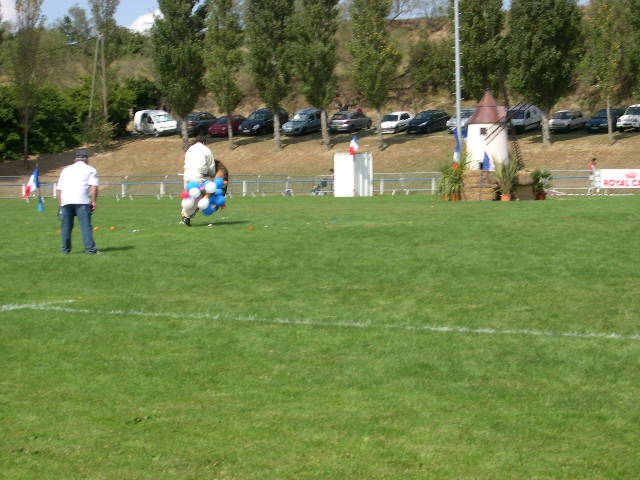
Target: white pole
456,15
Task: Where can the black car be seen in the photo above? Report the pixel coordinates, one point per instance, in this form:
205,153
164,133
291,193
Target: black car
198,123
428,121
261,122
598,122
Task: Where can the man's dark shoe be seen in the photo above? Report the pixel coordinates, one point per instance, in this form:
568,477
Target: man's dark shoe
186,221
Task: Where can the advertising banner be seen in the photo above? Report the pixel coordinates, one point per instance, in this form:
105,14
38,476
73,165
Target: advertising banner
618,178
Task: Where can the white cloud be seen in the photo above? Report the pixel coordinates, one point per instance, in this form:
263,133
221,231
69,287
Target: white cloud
8,10
144,22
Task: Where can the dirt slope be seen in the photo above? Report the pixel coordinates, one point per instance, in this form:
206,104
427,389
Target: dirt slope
307,156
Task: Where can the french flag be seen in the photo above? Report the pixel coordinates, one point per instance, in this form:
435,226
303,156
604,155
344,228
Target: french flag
353,146
33,183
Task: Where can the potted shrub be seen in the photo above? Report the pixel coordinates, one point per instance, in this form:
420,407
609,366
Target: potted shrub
541,183
451,182
506,178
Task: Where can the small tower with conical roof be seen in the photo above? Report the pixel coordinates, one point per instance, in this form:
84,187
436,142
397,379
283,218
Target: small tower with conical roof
487,134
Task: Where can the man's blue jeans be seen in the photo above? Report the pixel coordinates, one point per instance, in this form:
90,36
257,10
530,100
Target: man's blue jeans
83,212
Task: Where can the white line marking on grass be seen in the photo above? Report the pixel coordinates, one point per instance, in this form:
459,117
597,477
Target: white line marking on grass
31,306
49,306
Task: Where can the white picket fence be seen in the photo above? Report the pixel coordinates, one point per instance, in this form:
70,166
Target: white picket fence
402,183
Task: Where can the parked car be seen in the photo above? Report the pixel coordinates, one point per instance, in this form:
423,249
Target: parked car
154,122
465,114
630,119
524,118
303,121
599,122
428,121
349,121
395,122
220,128
198,123
261,122
566,120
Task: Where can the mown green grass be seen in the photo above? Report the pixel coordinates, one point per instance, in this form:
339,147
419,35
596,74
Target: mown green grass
293,339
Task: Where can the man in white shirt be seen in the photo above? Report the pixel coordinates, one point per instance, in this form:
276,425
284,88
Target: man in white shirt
199,164
78,191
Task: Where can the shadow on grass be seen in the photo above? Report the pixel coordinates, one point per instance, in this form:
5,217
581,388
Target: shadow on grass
224,222
536,137
117,249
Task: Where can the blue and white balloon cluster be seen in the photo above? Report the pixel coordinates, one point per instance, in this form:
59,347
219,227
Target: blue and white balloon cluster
208,197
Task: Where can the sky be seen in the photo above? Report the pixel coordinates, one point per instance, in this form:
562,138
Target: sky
134,14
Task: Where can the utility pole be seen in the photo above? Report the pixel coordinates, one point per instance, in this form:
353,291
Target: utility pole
93,79
105,109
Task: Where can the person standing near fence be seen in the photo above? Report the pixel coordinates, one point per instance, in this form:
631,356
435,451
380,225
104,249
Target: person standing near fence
199,164
78,193
593,176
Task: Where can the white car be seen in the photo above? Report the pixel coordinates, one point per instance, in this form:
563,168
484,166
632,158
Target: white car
395,122
524,118
465,114
154,122
630,119
565,120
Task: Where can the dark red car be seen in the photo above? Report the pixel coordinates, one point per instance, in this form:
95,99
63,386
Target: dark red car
219,128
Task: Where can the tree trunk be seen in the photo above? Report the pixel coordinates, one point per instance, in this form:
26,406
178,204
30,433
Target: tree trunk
546,134
232,145
381,144
276,131
25,140
610,123
325,130
184,135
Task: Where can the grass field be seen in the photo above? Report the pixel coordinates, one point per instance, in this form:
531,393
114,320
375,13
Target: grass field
320,338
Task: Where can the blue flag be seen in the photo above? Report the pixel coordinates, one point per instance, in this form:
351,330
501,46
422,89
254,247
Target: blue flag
486,161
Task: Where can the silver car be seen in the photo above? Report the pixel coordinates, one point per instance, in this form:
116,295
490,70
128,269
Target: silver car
349,121
465,114
565,120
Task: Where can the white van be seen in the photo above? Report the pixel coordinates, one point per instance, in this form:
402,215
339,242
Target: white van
630,119
154,122
525,118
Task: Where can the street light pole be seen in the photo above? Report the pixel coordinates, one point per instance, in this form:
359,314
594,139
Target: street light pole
456,24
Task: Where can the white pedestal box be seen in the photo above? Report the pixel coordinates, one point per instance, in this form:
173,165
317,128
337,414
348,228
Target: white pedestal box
353,175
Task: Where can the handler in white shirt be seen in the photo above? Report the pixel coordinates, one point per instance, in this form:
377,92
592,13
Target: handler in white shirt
198,165
78,192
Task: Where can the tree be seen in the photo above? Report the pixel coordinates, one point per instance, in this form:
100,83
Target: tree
544,46
177,56
430,66
603,56
223,58
75,25
375,57
316,23
401,8
103,11
483,59
27,65
628,26
269,45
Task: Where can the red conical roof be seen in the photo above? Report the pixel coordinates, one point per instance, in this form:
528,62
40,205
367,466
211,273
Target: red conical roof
488,111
